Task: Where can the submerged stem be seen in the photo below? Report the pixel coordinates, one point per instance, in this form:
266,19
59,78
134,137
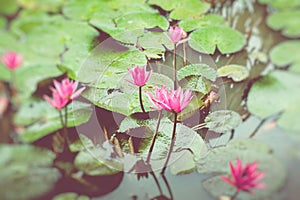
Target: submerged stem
141,99
154,137
234,195
171,144
184,54
174,68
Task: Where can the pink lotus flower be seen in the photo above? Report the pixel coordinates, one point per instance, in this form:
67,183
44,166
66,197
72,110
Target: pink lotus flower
245,178
139,76
172,101
63,93
176,34
67,89
12,60
57,102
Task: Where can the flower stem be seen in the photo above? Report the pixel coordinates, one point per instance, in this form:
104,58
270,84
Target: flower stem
168,186
234,195
171,145
174,68
184,54
141,99
154,137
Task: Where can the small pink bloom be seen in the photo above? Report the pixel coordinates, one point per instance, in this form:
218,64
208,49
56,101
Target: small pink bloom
67,89
176,34
12,60
63,93
172,101
139,76
245,178
57,102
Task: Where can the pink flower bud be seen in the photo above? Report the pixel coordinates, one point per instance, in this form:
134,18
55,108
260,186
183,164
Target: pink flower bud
176,34
139,76
12,60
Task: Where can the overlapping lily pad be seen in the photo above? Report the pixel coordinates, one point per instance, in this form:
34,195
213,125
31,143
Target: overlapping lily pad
26,172
282,55
207,39
181,9
197,70
236,72
218,160
281,4
287,22
40,118
277,92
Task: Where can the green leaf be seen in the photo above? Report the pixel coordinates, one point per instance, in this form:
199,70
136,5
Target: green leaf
217,161
182,9
236,72
197,69
282,56
223,121
70,196
206,20
155,42
89,162
8,7
82,143
276,92
26,171
198,84
125,98
206,40
43,5
285,21
281,4
41,119
142,20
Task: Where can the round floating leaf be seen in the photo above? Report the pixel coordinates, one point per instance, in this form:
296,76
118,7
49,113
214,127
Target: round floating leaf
142,20
155,42
236,72
222,121
182,9
282,55
41,119
26,172
287,21
89,162
205,40
43,5
281,4
8,7
217,161
70,196
197,83
207,20
277,92
197,70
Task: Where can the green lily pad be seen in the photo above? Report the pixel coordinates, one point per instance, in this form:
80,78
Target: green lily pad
223,121
8,7
82,143
198,84
41,119
89,162
282,56
206,20
277,92
217,161
155,42
70,196
125,98
142,20
236,72
281,4
287,22
43,5
197,70
26,171
205,40
182,9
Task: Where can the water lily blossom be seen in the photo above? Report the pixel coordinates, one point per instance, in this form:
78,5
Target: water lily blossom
245,178
67,89
139,76
173,101
176,34
12,60
63,93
